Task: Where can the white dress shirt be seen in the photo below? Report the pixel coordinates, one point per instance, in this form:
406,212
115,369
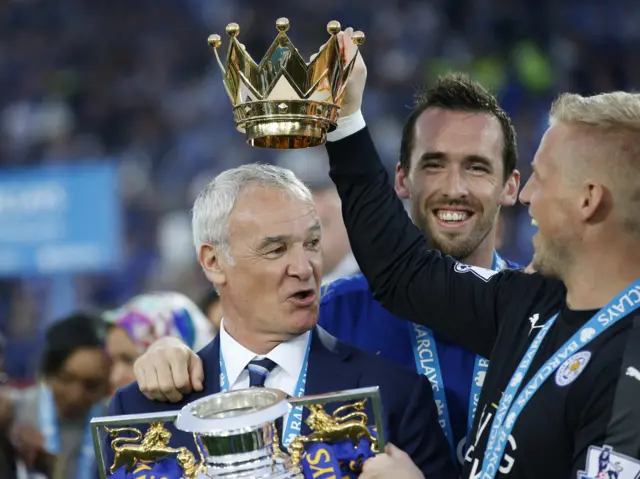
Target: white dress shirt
288,356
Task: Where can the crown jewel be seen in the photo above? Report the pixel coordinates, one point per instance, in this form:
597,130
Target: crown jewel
284,102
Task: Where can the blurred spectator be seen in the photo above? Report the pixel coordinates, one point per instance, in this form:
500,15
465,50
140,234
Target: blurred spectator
212,308
336,250
145,319
51,431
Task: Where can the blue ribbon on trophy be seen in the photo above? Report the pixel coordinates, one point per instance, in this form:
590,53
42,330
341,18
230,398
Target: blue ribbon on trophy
340,442
168,468
321,460
334,460
342,459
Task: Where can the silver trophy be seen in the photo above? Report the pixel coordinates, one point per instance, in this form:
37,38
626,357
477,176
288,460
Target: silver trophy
235,433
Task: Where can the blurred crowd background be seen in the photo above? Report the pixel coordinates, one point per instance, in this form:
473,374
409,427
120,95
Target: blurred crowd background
136,82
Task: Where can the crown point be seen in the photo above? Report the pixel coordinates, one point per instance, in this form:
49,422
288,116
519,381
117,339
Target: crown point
214,41
334,27
233,29
282,24
358,37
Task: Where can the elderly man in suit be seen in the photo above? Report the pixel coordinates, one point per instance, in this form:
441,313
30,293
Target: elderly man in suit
258,240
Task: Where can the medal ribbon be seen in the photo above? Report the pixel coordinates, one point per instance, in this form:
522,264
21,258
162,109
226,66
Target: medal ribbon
425,354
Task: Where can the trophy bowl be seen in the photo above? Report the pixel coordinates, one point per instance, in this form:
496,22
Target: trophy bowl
237,434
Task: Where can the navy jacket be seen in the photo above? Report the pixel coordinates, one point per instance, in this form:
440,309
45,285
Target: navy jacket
410,416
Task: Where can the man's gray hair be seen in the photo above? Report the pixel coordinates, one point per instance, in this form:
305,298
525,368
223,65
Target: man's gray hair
214,204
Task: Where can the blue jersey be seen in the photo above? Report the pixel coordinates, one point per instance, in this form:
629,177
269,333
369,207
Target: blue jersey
349,312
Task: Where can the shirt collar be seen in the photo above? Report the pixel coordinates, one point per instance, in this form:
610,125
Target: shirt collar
236,356
288,355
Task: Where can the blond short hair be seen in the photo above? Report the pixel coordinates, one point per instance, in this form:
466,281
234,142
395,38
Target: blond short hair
608,110
613,122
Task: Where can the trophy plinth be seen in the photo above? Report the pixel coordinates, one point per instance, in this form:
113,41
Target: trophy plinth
236,431
283,102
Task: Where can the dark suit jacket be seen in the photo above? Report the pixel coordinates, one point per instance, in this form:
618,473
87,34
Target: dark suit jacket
407,399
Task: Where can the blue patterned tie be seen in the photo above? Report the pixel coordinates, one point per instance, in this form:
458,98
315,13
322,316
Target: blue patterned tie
259,369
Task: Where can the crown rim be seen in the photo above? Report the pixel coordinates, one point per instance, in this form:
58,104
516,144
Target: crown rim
286,124
301,134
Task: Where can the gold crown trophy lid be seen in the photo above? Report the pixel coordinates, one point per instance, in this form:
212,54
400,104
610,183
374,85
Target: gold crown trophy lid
284,102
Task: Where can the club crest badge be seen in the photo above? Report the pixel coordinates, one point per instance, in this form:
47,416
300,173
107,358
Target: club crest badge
482,273
605,463
572,367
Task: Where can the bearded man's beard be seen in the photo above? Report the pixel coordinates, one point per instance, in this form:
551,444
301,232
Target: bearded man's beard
551,257
456,246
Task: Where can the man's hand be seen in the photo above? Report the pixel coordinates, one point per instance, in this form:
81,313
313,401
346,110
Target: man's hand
168,370
355,85
393,463
352,101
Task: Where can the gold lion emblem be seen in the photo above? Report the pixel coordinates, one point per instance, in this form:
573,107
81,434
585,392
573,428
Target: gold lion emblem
334,428
153,447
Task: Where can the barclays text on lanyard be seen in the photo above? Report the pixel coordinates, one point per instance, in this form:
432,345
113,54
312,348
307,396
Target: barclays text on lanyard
48,421
509,410
294,421
423,342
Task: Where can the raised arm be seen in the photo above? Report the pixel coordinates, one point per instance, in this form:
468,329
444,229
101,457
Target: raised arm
405,276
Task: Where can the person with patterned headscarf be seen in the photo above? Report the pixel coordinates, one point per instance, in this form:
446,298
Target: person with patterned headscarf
143,320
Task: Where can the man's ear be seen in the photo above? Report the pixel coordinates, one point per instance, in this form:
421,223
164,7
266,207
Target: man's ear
212,264
593,202
510,190
401,183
